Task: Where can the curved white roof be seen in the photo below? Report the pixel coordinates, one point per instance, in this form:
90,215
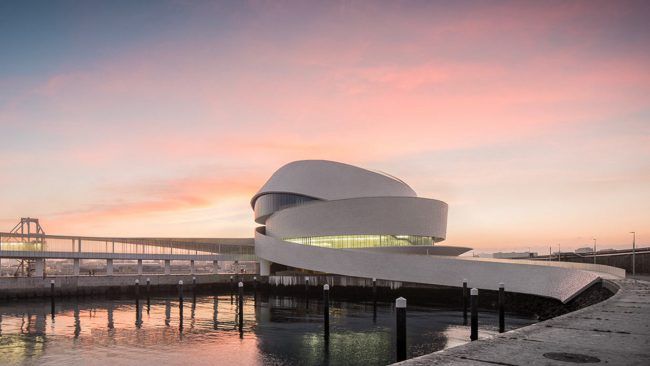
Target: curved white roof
330,180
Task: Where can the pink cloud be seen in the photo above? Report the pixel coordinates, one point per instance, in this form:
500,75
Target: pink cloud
359,84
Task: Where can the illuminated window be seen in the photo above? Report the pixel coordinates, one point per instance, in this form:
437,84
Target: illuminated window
362,241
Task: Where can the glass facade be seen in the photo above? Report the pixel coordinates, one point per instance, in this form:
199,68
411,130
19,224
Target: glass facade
269,203
362,241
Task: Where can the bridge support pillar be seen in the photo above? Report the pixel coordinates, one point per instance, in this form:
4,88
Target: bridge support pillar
215,266
192,269
265,267
75,266
168,266
139,267
109,267
40,267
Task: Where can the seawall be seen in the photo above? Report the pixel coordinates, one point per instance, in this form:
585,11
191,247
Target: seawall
25,287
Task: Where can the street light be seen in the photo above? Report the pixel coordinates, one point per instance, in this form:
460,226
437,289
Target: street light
594,250
633,252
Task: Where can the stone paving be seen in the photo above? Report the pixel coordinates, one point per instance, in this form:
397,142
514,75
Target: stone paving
615,332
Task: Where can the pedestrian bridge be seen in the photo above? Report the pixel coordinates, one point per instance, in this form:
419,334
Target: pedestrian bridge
40,247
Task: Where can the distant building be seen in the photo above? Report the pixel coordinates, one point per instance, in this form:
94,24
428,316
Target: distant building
584,250
514,255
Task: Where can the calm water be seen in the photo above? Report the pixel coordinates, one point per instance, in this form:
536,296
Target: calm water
276,331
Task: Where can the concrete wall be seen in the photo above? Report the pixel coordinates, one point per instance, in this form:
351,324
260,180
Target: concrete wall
12,287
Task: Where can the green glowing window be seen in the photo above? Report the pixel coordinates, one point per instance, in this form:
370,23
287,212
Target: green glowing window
362,241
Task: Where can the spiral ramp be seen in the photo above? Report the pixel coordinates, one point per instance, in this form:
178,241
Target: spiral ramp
336,218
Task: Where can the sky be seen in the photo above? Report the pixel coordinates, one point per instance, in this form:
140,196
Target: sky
162,118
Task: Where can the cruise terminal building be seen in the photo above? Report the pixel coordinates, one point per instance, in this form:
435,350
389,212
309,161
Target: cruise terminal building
334,218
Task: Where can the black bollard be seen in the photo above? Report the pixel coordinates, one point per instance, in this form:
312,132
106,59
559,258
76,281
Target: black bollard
306,292
180,290
241,305
502,300
255,284
137,289
52,296
232,289
180,305
193,284
400,310
474,308
326,309
464,296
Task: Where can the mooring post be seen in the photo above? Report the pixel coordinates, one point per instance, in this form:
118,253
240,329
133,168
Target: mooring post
306,285
232,289
52,296
326,308
474,308
148,286
241,304
180,290
193,284
374,290
400,310
502,301
464,296
255,284
137,289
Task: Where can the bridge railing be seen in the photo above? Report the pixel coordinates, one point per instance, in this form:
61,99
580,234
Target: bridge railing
12,242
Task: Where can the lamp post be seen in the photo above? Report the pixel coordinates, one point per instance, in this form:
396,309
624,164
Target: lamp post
594,250
633,252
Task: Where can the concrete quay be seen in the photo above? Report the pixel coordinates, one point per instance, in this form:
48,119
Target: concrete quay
25,287
615,331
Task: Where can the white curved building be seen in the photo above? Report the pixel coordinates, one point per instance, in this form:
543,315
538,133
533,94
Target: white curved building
333,205
334,218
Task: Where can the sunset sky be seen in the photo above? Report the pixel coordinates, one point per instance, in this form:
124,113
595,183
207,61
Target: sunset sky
142,118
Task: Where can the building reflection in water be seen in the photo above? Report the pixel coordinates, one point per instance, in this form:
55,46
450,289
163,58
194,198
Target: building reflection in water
279,330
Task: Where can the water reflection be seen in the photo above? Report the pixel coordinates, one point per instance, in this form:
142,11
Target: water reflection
109,311
77,321
215,312
254,331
